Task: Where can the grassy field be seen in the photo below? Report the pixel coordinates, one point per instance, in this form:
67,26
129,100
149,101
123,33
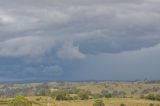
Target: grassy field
46,101
109,102
133,92
128,87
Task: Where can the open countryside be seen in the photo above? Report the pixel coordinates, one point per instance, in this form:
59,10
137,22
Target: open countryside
107,93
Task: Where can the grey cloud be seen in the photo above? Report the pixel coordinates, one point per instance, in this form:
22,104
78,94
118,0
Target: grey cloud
4,20
49,37
23,71
26,46
53,70
123,66
31,19
105,26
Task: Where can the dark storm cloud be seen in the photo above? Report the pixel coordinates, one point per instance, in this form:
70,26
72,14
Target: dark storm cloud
110,26
72,30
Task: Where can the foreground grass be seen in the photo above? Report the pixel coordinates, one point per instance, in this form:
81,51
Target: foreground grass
109,102
46,101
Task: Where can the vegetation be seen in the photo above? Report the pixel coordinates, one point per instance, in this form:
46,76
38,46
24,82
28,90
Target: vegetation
122,104
59,95
45,100
153,97
81,94
20,101
98,103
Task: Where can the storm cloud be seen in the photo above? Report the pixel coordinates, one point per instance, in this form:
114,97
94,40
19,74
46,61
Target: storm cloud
50,36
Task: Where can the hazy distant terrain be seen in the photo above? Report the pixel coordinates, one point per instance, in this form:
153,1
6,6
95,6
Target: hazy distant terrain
124,88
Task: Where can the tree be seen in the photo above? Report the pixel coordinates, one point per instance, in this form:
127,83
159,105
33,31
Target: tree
83,95
98,103
43,92
59,95
20,101
106,94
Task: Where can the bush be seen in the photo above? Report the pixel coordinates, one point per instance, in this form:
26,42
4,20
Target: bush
153,97
122,104
68,97
106,94
58,95
75,98
43,92
118,94
98,103
97,95
20,101
38,99
83,95
151,104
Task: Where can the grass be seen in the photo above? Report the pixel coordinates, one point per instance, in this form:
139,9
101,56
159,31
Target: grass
46,101
108,102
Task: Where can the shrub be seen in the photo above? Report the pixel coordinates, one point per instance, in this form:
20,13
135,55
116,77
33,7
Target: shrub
59,95
97,95
151,104
153,97
43,92
118,94
98,103
122,104
83,95
38,99
20,101
106,94
75,98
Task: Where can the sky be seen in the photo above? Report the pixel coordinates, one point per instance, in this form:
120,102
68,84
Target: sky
79,40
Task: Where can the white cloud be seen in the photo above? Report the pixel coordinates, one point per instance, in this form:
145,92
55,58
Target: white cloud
4,19
69,51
